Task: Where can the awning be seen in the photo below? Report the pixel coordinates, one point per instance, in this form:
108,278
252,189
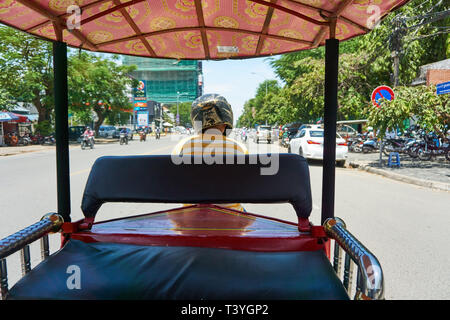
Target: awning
166,124
195,29
9,116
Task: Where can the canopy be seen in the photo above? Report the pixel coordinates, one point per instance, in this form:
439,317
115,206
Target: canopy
194,29
9,116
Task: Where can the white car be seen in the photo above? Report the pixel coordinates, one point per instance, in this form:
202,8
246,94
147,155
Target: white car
308,143
263,133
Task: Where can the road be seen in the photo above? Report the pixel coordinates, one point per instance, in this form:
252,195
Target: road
404,225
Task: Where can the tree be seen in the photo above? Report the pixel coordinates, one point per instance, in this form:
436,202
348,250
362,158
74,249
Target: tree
430,111
100,86
27,70
365,63
184,110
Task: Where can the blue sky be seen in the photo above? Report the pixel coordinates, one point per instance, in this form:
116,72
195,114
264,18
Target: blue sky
234,79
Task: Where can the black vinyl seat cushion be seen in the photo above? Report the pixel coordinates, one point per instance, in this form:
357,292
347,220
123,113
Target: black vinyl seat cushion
124,271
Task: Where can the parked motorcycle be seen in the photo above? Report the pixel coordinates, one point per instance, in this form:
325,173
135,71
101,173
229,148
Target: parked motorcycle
370,145
24,140
430,147
48,140
86,142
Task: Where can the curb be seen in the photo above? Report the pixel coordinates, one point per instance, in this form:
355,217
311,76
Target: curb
395,176
48,147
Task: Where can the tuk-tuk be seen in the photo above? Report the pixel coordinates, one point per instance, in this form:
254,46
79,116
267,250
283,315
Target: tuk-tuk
204,251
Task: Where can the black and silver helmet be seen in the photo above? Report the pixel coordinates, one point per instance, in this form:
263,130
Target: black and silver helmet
210,110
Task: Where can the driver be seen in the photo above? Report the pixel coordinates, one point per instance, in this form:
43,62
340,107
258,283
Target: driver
89,133
212,120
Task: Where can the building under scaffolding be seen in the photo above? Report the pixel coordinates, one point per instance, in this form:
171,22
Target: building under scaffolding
168,81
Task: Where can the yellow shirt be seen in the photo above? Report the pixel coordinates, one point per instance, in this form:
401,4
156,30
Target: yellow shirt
211,145
208,144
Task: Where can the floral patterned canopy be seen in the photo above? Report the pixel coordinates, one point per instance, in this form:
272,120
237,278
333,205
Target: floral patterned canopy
194,29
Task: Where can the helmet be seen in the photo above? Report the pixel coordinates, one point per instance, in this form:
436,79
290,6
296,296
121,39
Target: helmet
211,110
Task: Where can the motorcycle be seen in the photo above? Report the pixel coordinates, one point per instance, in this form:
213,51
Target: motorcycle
86,142
49,140
123,139
431,147
355,144
142,136
370,145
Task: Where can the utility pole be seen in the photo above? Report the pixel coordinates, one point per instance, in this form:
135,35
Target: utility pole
395,45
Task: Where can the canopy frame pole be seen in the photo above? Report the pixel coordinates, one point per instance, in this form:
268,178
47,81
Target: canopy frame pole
330,118
61,128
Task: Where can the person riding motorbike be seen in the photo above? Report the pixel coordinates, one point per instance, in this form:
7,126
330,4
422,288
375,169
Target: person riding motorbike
89,135
212,120
123,136
157,133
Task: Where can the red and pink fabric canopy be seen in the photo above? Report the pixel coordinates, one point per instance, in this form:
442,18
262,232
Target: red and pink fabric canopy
194,29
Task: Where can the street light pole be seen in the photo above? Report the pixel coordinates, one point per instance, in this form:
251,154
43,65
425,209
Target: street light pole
178,112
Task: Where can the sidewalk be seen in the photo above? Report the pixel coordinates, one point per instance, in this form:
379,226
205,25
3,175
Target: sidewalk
10,151
432,174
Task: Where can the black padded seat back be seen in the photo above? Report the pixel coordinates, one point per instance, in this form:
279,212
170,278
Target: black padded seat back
159,179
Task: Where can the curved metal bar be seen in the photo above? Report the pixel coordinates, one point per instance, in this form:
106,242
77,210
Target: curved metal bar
370,278
18,240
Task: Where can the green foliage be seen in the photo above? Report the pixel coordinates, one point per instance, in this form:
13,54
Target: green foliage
27,74
44,128
99,86
365,63
184,110
429,110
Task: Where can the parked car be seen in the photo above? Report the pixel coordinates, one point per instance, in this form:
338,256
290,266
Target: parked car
308,143
129,133
263,133
346,131
106,131
75,132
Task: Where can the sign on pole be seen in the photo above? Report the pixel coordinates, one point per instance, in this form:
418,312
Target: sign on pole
443,88
382,92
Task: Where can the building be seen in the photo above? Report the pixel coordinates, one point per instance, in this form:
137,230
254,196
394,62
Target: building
433,73
168,81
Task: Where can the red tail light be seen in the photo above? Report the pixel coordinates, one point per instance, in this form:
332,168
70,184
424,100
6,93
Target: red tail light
312,142
342,144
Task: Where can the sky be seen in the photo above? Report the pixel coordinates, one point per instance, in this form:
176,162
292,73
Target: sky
236,80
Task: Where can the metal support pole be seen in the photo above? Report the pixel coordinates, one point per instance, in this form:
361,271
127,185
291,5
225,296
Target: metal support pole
330,117
61,128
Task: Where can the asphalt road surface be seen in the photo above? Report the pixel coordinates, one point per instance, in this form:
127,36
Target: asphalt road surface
404,225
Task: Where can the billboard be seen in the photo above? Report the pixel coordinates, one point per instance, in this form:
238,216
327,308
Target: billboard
139,92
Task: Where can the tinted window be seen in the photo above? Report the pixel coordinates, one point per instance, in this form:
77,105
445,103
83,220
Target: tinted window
316,134
265,128
301,134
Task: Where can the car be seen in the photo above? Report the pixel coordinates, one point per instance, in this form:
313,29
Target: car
106,131
308,143
263,133
75,132
346,131
129,133
311,126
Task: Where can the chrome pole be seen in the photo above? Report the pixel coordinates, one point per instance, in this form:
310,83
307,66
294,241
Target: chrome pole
370,275
3,279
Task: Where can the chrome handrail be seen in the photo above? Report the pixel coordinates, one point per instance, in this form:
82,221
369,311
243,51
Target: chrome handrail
50,223
370,282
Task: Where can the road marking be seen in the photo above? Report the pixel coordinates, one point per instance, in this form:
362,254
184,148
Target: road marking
139,154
